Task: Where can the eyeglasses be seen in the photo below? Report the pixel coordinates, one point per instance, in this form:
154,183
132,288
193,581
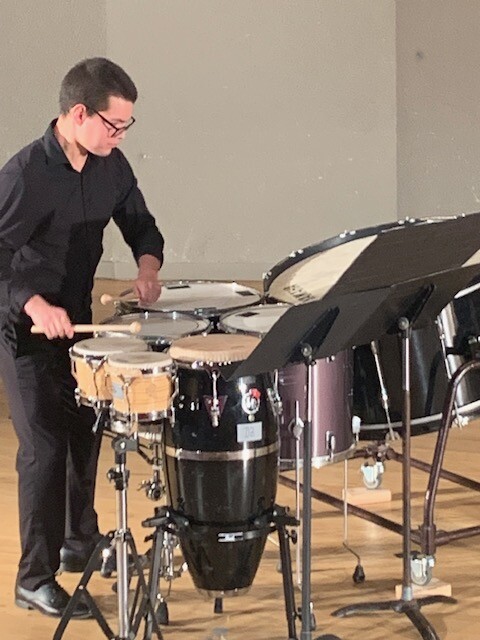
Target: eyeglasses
116,130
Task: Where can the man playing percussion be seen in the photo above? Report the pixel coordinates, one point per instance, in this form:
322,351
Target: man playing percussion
56,197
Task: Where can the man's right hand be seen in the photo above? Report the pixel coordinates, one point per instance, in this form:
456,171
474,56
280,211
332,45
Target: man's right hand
53,321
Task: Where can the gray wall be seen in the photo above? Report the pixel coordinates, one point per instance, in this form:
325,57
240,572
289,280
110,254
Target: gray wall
39,41
265,126
438,63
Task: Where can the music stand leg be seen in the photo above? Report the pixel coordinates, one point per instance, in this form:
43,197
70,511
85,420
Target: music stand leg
408,605
307,616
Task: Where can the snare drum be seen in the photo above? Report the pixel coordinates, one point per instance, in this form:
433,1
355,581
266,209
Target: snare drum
159,329
203,298
221,461
88,359
332,436
141,386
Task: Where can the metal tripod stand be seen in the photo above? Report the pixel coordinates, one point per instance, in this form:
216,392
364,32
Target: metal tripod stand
407,604
121,539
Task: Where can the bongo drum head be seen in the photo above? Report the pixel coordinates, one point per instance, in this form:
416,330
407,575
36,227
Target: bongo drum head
216,348
134,360
99,347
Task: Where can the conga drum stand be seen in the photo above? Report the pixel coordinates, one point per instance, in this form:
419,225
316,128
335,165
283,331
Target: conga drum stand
121,539
167,520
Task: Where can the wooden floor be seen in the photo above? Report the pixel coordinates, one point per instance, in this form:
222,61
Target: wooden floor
259,615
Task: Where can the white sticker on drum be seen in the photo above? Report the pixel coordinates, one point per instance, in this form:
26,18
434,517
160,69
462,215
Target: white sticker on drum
117,390
249,432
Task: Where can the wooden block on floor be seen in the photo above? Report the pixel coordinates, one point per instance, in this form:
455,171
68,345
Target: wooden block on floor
359,496
435,587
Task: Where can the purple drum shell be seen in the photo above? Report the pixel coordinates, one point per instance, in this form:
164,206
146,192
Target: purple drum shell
332,436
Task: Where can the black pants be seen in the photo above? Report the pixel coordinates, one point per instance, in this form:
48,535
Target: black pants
57,456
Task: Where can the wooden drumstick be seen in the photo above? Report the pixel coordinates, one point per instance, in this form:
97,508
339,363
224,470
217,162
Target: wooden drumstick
133,327
106,298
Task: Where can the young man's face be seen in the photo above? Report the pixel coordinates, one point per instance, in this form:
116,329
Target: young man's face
97,133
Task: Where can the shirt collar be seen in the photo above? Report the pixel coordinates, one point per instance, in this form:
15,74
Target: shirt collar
54,151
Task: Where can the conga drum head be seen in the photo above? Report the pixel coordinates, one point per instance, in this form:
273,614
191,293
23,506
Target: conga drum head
203,298
215,348
158,329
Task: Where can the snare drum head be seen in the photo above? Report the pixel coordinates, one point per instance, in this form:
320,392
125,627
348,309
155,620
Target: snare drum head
161,327
142,360
254,321
104,346
215,348
203,298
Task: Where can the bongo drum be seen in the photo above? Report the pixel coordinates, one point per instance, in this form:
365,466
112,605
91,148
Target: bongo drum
141,386
88,359
221,456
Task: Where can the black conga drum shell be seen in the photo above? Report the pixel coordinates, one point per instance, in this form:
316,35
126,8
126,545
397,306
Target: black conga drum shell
221,478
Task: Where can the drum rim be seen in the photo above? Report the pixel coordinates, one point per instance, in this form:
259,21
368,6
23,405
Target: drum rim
300,255
156,339
197,311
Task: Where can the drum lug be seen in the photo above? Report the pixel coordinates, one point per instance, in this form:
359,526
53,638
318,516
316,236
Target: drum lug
78,397
331,443
275,401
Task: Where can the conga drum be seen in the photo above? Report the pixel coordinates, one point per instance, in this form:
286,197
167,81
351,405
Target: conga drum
221,454
332,379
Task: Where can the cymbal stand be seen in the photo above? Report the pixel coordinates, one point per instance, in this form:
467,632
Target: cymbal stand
407,604
129,619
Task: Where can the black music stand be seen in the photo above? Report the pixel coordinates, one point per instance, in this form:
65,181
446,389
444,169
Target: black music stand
345,318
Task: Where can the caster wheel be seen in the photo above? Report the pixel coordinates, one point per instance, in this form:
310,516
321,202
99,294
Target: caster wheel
373,485
421,569
161,613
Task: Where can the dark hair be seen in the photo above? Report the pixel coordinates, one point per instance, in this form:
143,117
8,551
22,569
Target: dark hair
91,82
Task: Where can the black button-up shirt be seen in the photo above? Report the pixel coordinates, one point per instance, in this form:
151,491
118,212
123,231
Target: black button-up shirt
52,220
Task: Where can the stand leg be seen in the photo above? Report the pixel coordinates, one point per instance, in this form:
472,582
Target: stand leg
286,562
128,621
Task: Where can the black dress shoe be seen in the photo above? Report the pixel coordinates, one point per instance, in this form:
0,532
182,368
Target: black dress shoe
50,599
